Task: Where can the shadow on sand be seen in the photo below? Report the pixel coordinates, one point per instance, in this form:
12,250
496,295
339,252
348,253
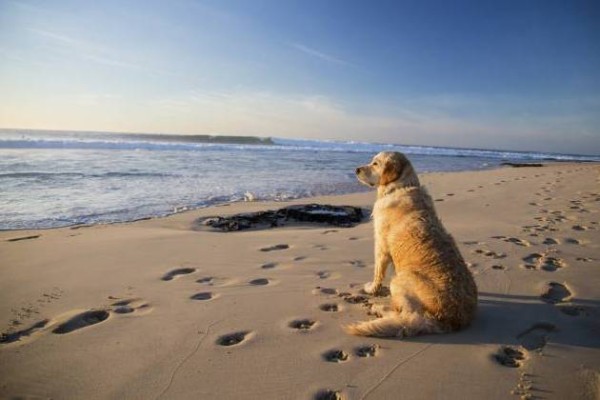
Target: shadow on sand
515,320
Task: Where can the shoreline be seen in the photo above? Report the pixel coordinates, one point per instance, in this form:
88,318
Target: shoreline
292,200
154,308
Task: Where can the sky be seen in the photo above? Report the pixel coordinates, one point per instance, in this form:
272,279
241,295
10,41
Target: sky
517,75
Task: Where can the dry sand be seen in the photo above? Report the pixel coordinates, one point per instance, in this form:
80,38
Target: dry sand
154,309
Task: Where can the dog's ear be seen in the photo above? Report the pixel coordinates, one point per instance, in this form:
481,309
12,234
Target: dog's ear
391,171
398,168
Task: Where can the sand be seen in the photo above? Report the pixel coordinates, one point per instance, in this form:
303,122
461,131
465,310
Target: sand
156,309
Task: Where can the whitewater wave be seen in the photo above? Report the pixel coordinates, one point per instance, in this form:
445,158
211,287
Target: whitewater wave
352,146
280,144
61,179
60,175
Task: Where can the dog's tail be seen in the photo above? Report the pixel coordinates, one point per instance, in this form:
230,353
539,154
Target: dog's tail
392,324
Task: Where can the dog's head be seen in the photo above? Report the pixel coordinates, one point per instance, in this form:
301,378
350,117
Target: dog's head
388,167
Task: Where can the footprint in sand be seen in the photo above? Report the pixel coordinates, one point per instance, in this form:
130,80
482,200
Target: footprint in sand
584,259
83,320
536,337
472,242
550,241
203,296
540,261
489,253
329,307
555,293
498,267
357,263
572,310
366,351
231,339
321,290
354,299
299,258
328,394
177,272
579,228
510,357
302,324
275,247
323,274
269,265
572,241
336,356
11,337
551,264
128,306
329,231
353,238
78,321
517,241
259,282
215,281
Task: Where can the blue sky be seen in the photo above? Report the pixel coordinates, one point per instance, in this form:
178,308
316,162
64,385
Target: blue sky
521,75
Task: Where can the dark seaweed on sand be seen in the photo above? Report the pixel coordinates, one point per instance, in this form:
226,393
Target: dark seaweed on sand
343,216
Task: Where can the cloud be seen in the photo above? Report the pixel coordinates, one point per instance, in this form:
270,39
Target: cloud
434,121
56,37
113,62
309,116
83,49
315,53
426,121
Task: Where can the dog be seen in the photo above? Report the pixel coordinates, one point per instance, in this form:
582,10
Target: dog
433,290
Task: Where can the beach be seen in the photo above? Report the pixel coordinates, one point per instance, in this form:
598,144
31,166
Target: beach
165,308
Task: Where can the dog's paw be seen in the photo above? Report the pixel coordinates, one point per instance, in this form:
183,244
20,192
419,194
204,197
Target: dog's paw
378,310
371,288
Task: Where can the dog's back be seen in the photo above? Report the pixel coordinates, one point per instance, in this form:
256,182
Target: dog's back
427,255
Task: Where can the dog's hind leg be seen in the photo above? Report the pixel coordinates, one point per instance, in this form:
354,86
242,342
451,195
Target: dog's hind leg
408,299
407,317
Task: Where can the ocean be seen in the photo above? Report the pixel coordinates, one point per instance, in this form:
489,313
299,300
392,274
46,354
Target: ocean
56,179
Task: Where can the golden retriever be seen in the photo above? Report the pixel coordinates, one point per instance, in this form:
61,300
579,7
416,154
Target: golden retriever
433,290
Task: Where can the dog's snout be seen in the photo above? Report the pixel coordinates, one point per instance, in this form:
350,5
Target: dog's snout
357,170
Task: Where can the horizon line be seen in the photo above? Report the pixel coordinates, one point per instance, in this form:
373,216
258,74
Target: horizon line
299,138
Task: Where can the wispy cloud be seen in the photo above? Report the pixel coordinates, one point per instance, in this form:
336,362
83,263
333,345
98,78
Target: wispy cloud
318,54
113,62
85,50
316,116
438,120
56,37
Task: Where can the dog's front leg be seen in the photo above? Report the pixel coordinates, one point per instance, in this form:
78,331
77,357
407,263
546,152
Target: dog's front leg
382,260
